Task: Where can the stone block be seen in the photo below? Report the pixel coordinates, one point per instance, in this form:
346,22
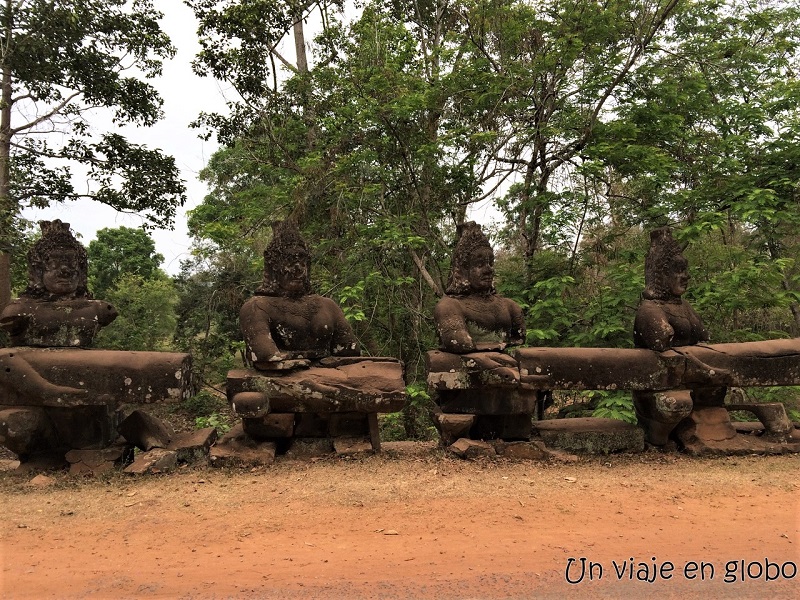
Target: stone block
237,449
488,401
103,377
504,427
466,448
192,446
452,426
310,447
348,424
25,430
591,435
350,446
157,460
145,431
271,426
772,415
250,405
534,450
311,425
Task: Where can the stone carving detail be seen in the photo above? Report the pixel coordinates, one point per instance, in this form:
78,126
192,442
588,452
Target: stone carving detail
469,373
307,364
55,394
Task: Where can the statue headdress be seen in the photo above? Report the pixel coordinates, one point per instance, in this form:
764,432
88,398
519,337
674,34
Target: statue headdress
470,239
55,236
285,236
663,258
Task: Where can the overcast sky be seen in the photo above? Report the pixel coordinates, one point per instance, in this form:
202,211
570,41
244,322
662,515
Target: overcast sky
185,96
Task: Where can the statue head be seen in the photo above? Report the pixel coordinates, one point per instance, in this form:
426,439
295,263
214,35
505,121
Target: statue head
666,273
472,267
57,264
287,263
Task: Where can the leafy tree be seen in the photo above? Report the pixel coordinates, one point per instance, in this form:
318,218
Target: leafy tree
146,310
60,60
117,252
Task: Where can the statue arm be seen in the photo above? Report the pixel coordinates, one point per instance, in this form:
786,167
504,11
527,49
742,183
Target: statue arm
651,328
255,323
19,375
452,327
12,320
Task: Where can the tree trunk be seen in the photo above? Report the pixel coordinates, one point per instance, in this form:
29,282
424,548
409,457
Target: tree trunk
7,208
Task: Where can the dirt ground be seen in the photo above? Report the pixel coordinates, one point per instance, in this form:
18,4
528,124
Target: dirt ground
411,523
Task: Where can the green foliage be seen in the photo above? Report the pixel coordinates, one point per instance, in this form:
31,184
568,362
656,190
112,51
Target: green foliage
146,318
615,405
117,252
219,422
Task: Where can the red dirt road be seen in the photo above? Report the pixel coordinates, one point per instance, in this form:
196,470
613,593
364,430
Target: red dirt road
409,524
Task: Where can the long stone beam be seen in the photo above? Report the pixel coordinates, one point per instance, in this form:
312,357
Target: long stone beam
67,377
748,364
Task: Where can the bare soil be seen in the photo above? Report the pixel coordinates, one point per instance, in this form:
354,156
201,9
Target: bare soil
409,523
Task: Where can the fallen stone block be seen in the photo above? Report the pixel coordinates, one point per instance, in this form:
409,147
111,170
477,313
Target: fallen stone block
534,450
237,449
95,462
145,431
466,448
350,446
589,434
452,426
193,446
270,426
157,460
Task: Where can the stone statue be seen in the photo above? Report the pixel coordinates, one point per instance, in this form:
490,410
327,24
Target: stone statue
472,317
470,374
56,309
55,394
664,321
284,324
310,381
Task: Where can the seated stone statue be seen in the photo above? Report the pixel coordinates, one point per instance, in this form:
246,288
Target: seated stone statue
476,324
56,309
55,394
664,321
309,372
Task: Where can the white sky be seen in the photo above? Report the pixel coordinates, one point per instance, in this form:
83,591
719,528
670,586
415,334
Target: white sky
185,96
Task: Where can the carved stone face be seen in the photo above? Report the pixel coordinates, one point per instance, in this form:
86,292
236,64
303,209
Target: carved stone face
293,277
61,275
481,270
677,280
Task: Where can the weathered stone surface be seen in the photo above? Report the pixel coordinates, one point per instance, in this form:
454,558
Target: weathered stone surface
659,412
466,448
592,435
270,426
96,462
157,460
772,415
533,450
250,405
488,401
363,386
25,430
374,431
309,447
348,425
311,425
193,446
62,377
237,449
452,426
350,446
41,481
448,371
145,431
505,427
